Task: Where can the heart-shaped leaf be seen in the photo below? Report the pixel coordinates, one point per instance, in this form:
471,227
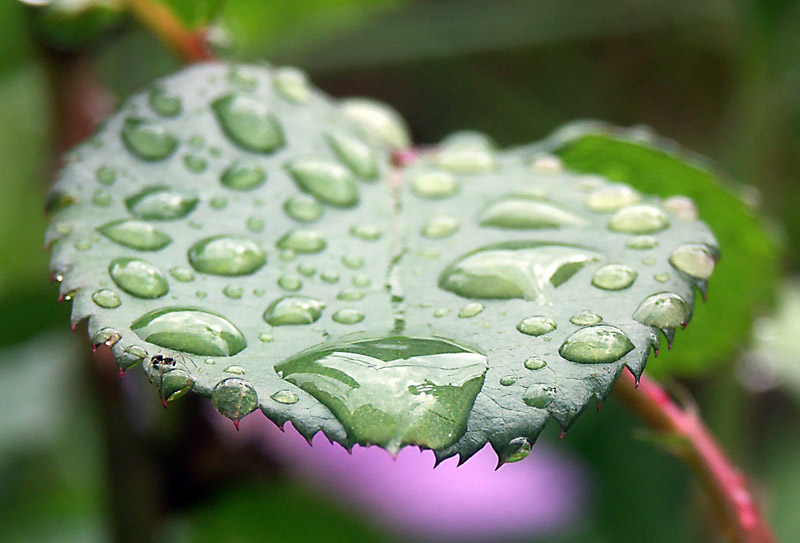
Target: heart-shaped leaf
246,237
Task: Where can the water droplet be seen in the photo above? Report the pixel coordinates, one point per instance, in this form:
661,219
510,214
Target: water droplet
136,235
197,142
164,103
612,198
661,277
546,164
106,175
139,278
306,270
161,204
235,370
243,175
470,310
393,391
173,384
683,207
248,123
303,208
101,198
537,325
535,363
292,84
184,275
434,185
292,283
508,380
348,316
378,120
354,262
440,227
132,356
367,232
361,281
599,344
519,212
639,219
350,295
649,261
234,398
195,163
329,276
585,317
106,298
293,310
642,243
190,330
327,181
355,154
514,270
518,449
693,259
106,336
255,224
302,241
83,245
226,255
147,139
663,310
285,397
539,396
265,338
466,152
441,312
614,277
234,292
287,255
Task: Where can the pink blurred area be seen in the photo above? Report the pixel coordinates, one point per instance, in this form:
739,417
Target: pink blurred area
545,493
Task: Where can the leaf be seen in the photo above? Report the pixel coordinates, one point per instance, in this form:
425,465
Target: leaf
237,233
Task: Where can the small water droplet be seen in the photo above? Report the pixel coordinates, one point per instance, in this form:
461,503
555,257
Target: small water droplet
367,232
235,370
649,261
265,338
355,154
293,310
190,330
285,397
539,396
520,212
434,185
508,380
440,227
195,163
600,344
303,208
83,245
470,310
361,281
161,204
642,243
518,449
585,317
639,219
234,398
306,270
693,259
663,310
106,175
136,235
106,298
467,153
147,139
139,278
255,224
101,198
302,241
329,276
248,123
534,363
209,362
164,103
184,275
327,181
292,84
662,277
441,312
350,295
546,164
287,255
131,356
202,294
614,277
348,316
612,198
537,325
292,283
227,255
683,207
243,175
106,336
197,142
234,292
218,202
378,120
354,262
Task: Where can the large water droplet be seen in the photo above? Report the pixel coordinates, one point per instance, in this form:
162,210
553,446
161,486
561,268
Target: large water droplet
639,219
518,449
612,198
393,391
663,310
293,310
693,259
164,103
614,277
139,278
440,227
243,175
292,84
520,212
136,235
537,325
514,270
227,255
147,139
599,344
378,120
248,123
327,181
302,241
106,298
434,185
303,208
348,316
190,330
161,204
173,384
466,152
355,154
234,398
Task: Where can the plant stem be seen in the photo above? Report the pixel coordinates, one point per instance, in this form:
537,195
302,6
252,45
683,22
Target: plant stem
188,45
725,484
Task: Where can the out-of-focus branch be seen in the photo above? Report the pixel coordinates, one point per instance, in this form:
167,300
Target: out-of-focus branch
188,45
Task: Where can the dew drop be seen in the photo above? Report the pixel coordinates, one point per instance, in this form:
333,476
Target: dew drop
197,142
218,202
546,164
327,181
537,325
539,396
164,103
83,245
693,259
585,318
136,235
131,357
265,338
184,275
303,208
292,84
348,316
248,123
662,277
614,277
139,278
434,185
367,232
306,270
101,198
355,154
467,153
190,330
508,380
293,310
243,175
227,256
106,336
378,120
234,292
441,312
254,224
642,243
519,212
354,262
234,398
195,163
518,449
598,344
440,227
534,363
612,198
147,139
286,397
361,281
329,276
639,219
302,241
470,310
235,370
161,204
663,310
350,295
105,175
106,298
292,283
173,384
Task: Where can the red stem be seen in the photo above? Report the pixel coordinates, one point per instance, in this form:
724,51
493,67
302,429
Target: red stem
188,45
724,482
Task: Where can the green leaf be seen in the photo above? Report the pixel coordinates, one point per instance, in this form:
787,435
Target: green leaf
250,241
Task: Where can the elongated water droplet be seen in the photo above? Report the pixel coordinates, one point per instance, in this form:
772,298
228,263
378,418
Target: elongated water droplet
348,316
519,212
599,344
367,232
292,283
642,243
612,198
303,208
327,181
227,255
235,370
614,277
164,103
466,152
470,310
286,397
585,317
190,330
136,235
302,241
350,295
537,325
248,123
663,310
184,275
106,298
243,175
355,154
293,310
434,185
440,227
161,204
292,84
534,363
139,278
639,219
378,120
234,398
147,139
693,259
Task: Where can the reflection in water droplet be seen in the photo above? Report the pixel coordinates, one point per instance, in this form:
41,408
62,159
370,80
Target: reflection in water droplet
195,163
350,295
293,310
470,310
302,241
136,235
234,292
243,175
348,316
235,370
663,310
148,139
614,277
226,255
355,154
599,344
190,330
139,278
534,363
434,185
393,391
292,84
693,259
367,232
661,277
285,397
101,198
327,181
106,298
440,227
683,207
354,262
106,336
518,449
642,243
248,123
508,380
303,208
164,103
184,275
612,198
639,219
520,212
378,120
106,175
585,317
161,204
537,325
234,398
466,152
173,384
292,283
